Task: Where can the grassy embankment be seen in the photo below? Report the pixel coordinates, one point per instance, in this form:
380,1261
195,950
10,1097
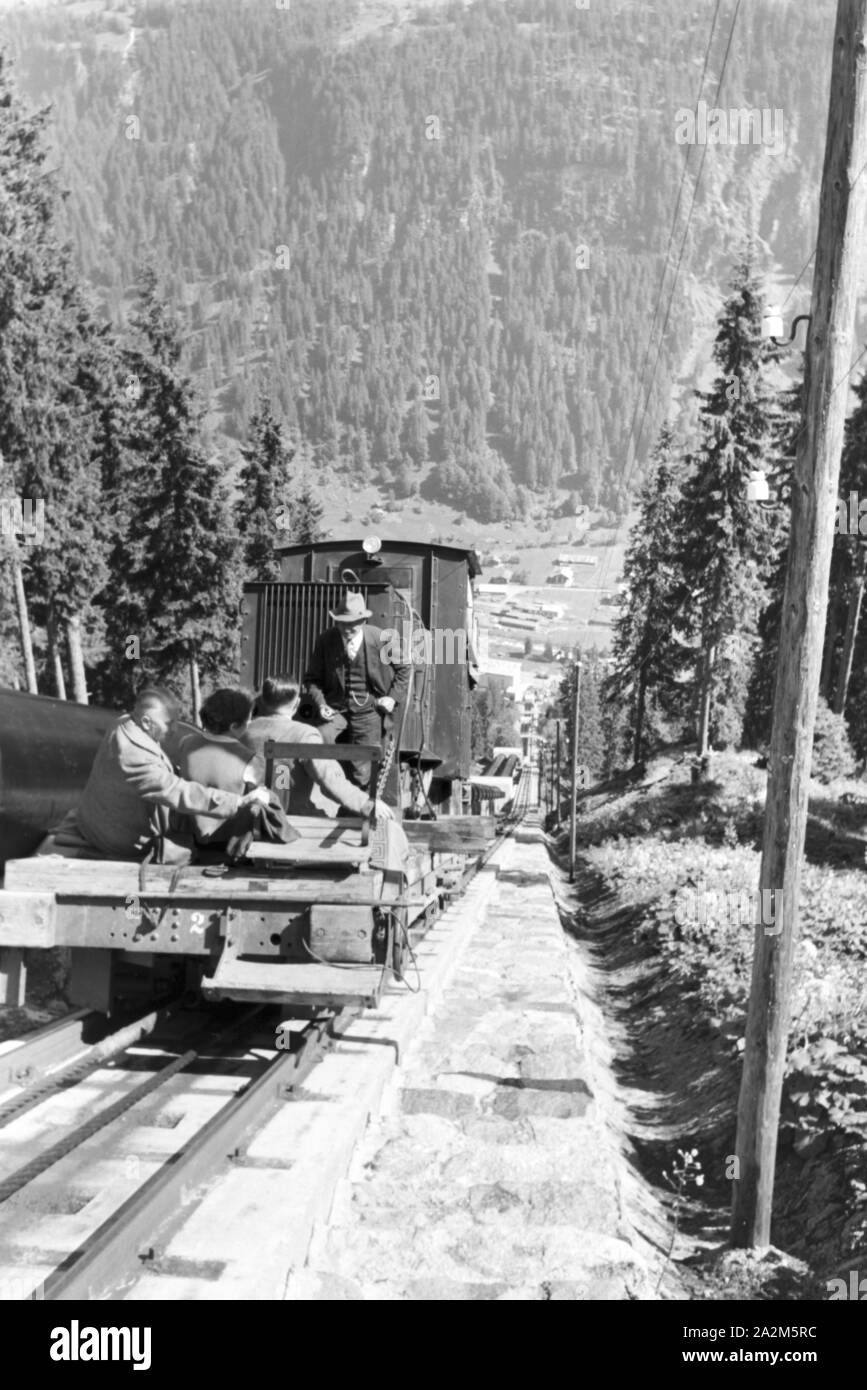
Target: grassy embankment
662,868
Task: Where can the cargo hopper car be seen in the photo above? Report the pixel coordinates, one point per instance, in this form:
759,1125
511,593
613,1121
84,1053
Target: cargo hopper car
320,921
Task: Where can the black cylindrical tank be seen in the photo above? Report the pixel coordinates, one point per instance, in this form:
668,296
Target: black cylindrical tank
47,749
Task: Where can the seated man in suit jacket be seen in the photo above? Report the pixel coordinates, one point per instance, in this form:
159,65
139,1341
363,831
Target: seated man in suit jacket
133,787
277,707
349,674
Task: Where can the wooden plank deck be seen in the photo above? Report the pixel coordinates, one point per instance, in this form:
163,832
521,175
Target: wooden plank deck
459,834
103,878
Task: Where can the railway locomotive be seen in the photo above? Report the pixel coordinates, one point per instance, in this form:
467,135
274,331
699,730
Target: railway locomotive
421,596
320,921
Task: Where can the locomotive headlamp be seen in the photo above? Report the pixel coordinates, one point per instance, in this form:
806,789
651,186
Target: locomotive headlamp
371,545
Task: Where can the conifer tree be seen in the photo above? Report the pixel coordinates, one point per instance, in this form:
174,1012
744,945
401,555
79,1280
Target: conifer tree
264,481
760,699
72,568
648,658
494,722
846,629
48,407
856,703
727,544
300,519
832,752
176,603
30,274
11,670
593,753
845,601
479,713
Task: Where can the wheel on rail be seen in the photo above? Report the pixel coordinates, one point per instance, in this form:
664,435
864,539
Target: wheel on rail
399,953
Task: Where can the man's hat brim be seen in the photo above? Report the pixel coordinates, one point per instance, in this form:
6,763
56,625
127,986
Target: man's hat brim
351,617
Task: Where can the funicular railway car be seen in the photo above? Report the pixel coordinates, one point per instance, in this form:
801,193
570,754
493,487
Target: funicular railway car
422,596
320,921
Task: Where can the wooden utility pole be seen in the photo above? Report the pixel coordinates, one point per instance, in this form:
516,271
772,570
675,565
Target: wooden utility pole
576,719
557,779
814,509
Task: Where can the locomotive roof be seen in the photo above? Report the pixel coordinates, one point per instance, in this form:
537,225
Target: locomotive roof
453,552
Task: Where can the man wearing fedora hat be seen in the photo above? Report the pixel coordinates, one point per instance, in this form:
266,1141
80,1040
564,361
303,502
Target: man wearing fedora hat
349,675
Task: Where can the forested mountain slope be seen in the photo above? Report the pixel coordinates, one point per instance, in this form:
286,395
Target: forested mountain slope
437,242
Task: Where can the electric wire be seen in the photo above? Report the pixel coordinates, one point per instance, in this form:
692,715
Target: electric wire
815,248
798,280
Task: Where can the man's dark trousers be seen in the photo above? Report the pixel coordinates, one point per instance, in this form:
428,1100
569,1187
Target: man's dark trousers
362,726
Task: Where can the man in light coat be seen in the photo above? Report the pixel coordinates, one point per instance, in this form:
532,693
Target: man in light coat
278,705
133,788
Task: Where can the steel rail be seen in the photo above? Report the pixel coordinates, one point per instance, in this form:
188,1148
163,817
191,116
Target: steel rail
105,1259
38,1052
74,1138
82,1065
